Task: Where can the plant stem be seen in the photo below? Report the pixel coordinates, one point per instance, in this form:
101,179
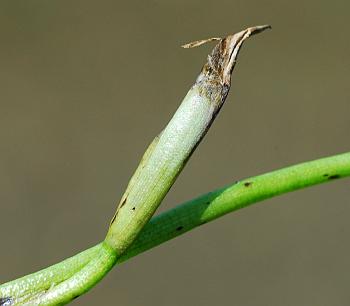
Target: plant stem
42,280
215,204
191,214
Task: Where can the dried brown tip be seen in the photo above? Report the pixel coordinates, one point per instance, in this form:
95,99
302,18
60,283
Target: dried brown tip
198,43
260,28
223,58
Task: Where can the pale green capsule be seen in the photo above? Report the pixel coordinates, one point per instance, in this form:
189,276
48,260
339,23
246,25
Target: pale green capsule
169,152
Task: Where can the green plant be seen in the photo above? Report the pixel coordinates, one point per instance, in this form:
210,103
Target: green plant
132,230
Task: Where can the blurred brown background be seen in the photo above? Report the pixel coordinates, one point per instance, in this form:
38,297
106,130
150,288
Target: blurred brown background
86,85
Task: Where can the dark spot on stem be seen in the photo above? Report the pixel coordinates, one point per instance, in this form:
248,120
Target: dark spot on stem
179,228
326,174
6,301
133,208
113,219
247,184
333,177
123,203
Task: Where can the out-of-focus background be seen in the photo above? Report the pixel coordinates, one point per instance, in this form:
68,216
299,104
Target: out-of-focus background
86,85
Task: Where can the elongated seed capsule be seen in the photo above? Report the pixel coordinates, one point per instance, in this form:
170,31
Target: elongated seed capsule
169,152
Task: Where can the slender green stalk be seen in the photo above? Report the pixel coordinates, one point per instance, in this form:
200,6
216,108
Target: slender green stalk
80,282
53,286
192,214
41,281
215,204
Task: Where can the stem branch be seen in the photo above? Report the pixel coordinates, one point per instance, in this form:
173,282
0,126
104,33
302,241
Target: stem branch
186,217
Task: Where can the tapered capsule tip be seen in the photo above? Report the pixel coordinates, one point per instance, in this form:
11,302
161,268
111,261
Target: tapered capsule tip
222,59
260,28
197,43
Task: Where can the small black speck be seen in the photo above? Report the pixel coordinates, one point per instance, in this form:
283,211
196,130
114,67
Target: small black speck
133,208
247,184
335,176
179,228
75,297
6,301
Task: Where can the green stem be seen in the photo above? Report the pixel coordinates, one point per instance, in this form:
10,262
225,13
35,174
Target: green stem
42,280
81,281
187,216
215,204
